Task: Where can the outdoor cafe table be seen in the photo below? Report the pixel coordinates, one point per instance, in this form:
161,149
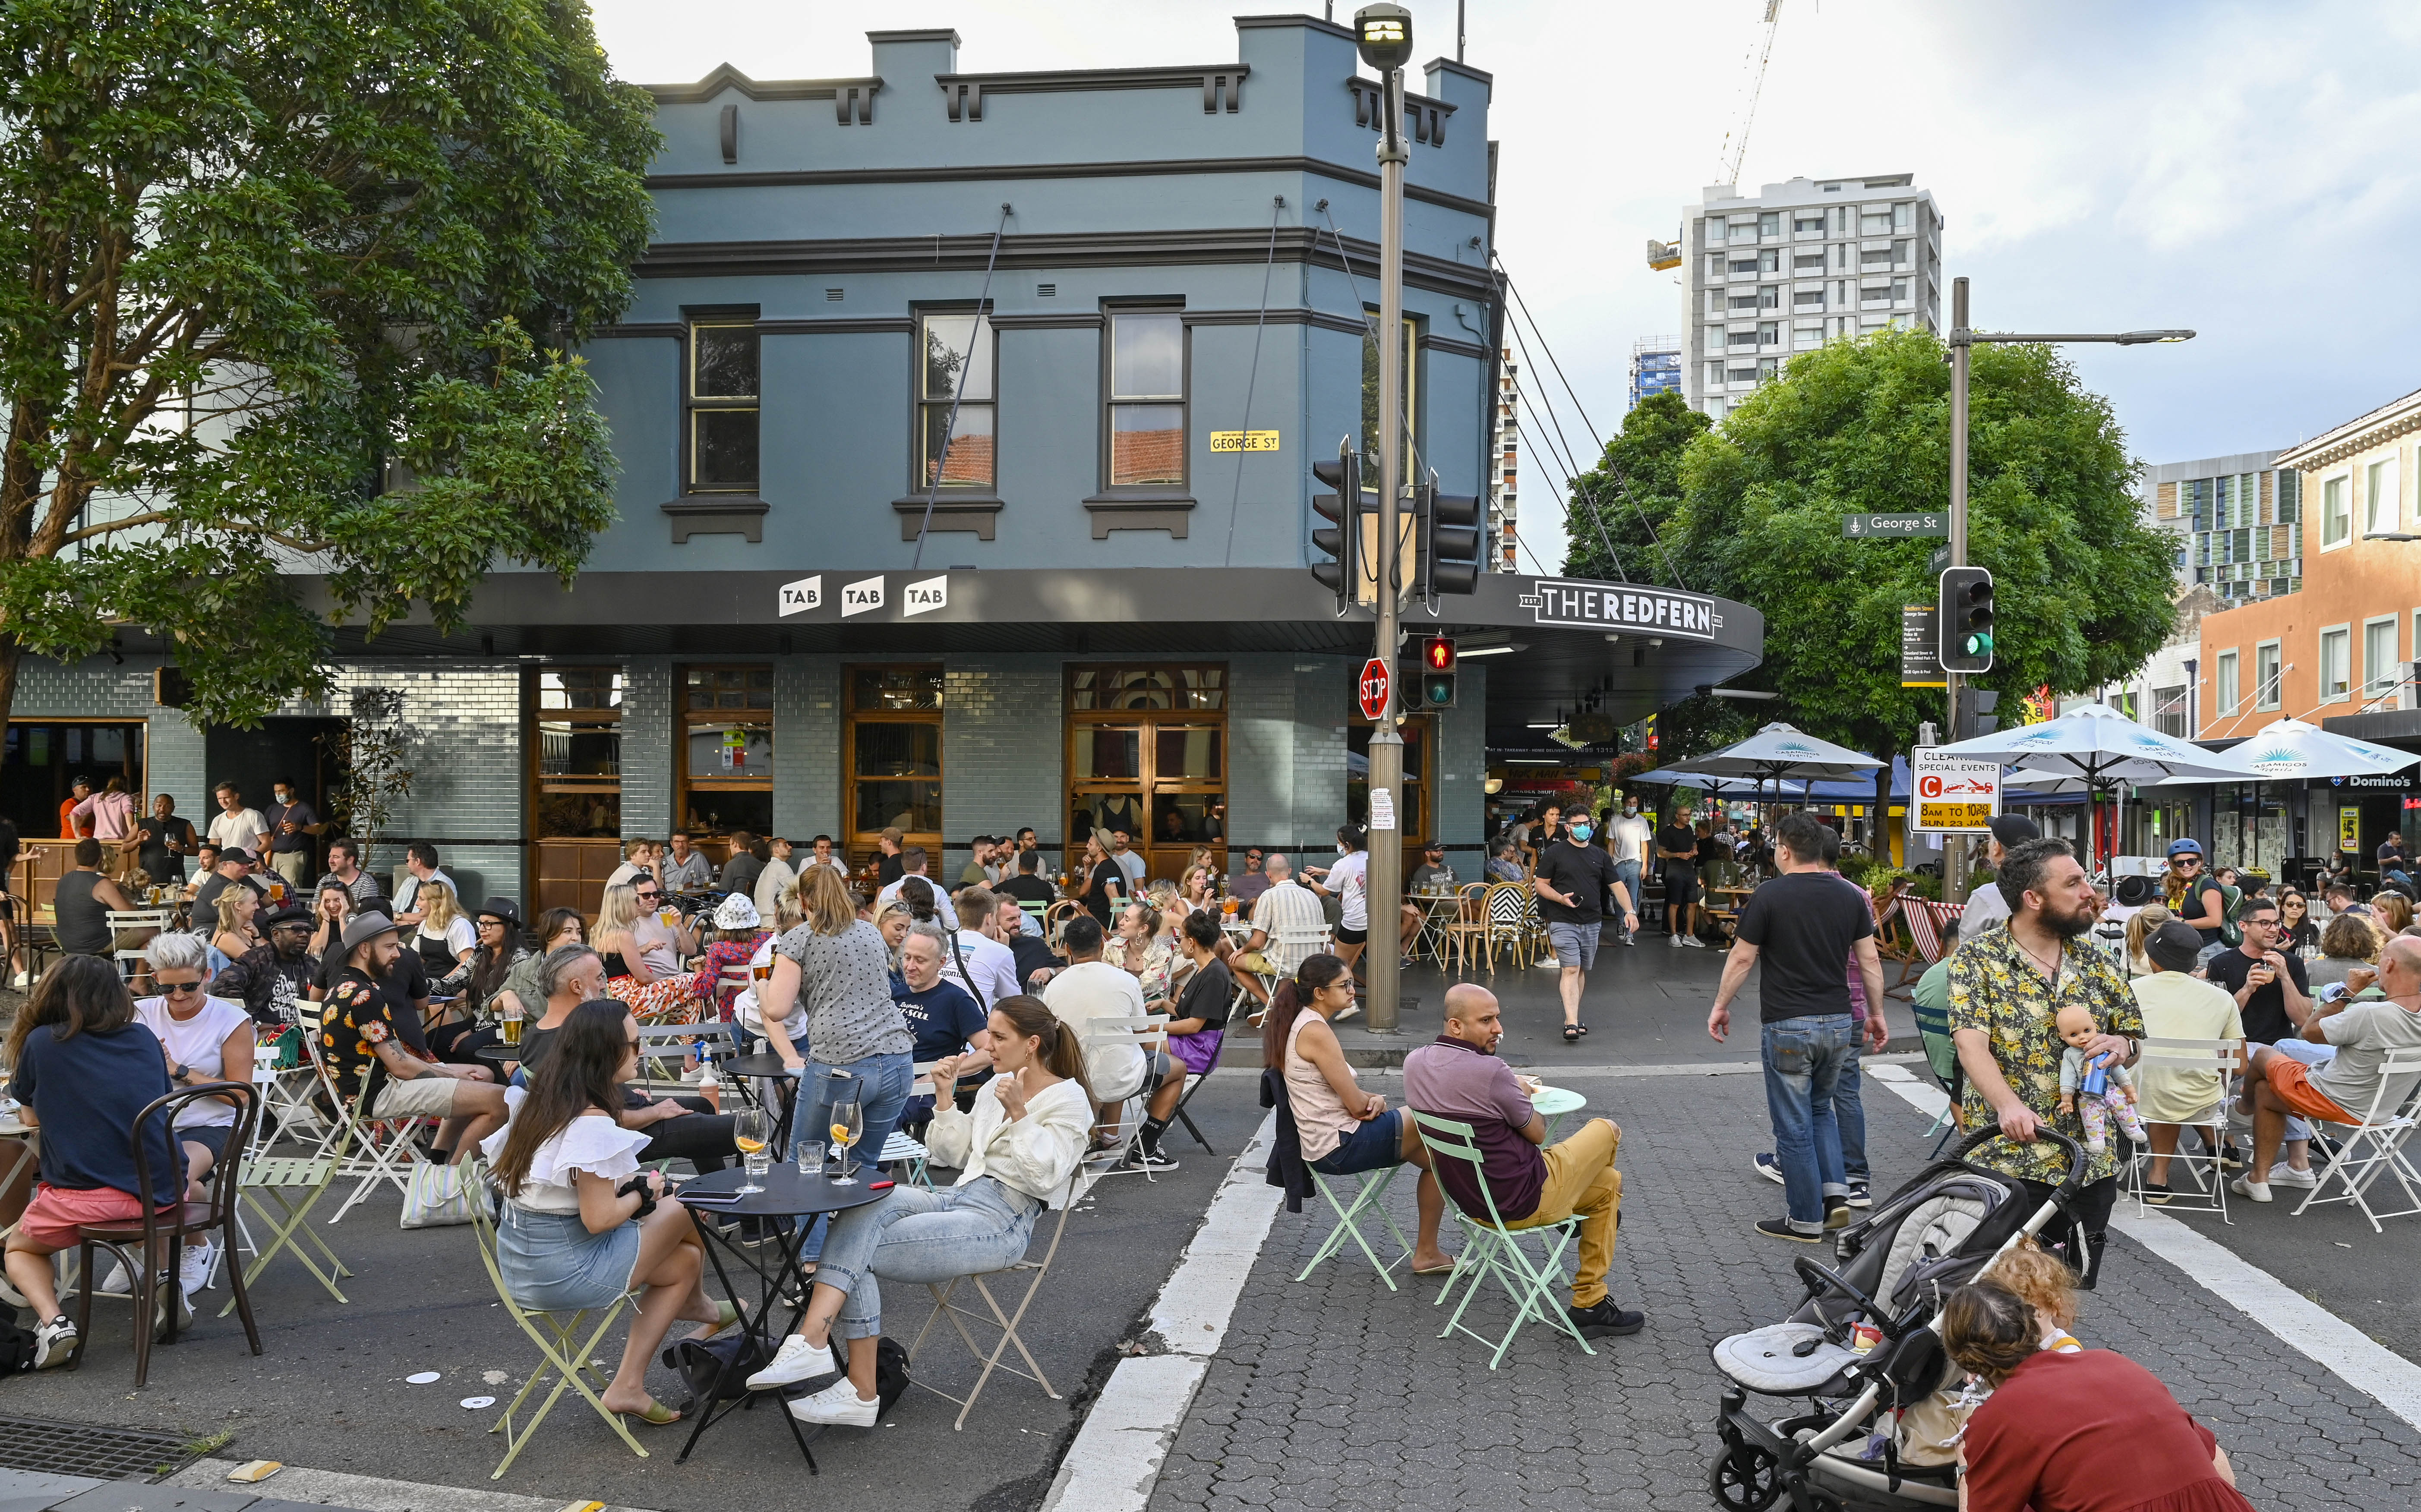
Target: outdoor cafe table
764,1067
789,1202
1552,1102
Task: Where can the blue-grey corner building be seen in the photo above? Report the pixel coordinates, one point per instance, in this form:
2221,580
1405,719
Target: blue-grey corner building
965,423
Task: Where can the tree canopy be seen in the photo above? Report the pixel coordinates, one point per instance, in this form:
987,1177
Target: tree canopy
2083,585
274,285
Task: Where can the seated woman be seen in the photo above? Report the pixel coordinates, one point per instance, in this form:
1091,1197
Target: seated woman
330,912
556,927
445,938
737,936
1138,950
84,1069
2347,944
1197,1025
1344,1130
647,976
235,934
1014,1155
494,958
2084,1429
582,1222
202,1039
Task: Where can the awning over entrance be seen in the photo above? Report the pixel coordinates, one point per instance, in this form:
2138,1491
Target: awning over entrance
1633,648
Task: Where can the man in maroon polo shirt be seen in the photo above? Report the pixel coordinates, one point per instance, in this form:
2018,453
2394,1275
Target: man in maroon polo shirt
1459,1077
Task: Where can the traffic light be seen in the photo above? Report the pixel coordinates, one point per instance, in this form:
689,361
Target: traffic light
1437,672
1341,539
1449,537
1966,620
1975,716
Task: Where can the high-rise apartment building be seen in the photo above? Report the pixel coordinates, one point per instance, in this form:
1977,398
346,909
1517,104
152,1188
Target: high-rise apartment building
1797,265
1655,366
1503,465
2238,521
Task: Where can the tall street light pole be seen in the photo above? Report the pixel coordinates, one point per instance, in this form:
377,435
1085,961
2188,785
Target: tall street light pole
1384,36
1963,340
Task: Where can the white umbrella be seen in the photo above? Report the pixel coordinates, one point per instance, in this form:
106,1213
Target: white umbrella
1779,751
2289,750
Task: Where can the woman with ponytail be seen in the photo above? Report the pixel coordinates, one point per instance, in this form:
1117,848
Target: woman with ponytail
1344,1130
1014,1155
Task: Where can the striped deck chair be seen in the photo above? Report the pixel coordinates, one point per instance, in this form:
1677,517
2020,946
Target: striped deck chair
1925,921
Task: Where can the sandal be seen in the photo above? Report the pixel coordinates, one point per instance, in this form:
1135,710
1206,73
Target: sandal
1571,1034
1584,1028
657,1414
728,1314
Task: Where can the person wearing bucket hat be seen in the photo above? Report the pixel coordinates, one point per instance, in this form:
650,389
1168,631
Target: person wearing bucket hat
2176,1004
1986,906
369,1054
737,937
270,977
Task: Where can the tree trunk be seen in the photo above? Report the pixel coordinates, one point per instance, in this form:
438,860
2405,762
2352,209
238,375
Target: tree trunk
1878,837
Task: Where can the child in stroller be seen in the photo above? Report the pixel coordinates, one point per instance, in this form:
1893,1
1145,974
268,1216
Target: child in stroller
1863,1348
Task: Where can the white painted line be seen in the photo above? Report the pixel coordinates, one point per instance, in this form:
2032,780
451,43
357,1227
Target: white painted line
1115,1460
2303,1325
334,1487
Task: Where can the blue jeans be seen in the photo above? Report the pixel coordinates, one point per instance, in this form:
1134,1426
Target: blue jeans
1627,873
913,1236
882,1085
1806,1061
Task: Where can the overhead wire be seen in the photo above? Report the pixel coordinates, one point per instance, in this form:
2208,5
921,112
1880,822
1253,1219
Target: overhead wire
1567,460
1252,375
950,426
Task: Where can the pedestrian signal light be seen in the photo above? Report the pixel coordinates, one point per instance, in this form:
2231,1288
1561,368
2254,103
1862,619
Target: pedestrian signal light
1437,672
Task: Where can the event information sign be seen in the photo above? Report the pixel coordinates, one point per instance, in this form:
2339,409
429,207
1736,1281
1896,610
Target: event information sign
1953,795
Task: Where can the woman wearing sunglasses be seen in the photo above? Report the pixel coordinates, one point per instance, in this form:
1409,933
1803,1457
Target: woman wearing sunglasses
2296,930
203,1039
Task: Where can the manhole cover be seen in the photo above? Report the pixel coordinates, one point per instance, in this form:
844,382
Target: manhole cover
81,1449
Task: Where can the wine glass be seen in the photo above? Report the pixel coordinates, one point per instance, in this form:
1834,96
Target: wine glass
848,1124
748,1132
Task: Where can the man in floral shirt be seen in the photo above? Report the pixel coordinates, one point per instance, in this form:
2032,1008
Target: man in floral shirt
2008,984
363,1046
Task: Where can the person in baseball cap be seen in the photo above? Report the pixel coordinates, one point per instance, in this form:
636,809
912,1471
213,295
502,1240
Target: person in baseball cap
1985,905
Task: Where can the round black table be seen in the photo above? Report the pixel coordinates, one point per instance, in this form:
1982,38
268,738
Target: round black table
499,1055
786,1196
766,1066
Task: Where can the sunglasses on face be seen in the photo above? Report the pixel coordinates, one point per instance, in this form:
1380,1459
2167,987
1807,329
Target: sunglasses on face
180,989
650,898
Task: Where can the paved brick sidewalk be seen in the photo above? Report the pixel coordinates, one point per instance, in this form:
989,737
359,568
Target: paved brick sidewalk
1338,1392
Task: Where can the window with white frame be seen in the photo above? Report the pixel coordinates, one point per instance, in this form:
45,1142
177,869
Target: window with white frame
2336,510
2381,674
1147,399
2379,503
2266,676
2231,693
2337,663
954,377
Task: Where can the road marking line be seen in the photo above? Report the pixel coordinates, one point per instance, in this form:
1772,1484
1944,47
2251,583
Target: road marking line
1115,1461
2303,1325
371,1493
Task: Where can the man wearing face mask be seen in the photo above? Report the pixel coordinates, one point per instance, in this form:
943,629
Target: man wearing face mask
1572,881
1631,836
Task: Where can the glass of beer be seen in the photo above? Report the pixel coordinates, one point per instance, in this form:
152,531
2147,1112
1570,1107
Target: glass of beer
669,918
508,1023
764,972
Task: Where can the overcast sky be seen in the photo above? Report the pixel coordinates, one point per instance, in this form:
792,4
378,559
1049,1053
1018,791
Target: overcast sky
2098,166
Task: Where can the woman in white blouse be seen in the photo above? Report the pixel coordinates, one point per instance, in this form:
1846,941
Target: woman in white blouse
1014,1155
583,1224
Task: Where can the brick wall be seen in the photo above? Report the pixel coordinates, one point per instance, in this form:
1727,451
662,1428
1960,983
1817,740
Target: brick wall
1260,754
1462,766
1003,751
99,688
806,747
647,747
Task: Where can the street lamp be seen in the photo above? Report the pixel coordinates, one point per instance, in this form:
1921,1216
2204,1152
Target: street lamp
1383,34
1963,340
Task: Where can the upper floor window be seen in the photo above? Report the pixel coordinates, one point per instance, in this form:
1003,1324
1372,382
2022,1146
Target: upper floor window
1147,398
722,402
2336,510
2378,497
955,371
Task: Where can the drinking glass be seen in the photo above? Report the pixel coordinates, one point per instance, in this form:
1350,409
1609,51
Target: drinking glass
509,1022
847,1123
809,1153
749,1134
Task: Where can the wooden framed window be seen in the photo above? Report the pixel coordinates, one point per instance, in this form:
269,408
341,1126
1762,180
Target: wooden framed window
572,751
893,738
720,403
953,344
1148,752
725,752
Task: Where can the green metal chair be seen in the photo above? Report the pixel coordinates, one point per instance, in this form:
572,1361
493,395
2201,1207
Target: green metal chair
1370,1194
561,1345
1496,1249
281,1191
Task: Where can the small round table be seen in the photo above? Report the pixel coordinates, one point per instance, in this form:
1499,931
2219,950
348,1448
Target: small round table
499,1056
768,1067
786,1196
1552,1102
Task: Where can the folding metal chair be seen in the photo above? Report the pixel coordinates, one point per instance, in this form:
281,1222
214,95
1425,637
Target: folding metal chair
561,1345
1369,1194
352,1139
1148,1034
1194,1081
133,964
1496,1249
1942,1060
1038,1270
2181,1057
2375,1147
294,1183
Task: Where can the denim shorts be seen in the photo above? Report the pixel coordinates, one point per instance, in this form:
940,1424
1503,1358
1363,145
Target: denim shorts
1374,1145
553,1264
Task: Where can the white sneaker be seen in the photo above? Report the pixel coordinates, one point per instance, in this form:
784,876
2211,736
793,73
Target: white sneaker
837,1403
118,1283
1694,942
1348,1012
2283,1175
53,1342
194,1265
795,1361
1673,940
2246,1187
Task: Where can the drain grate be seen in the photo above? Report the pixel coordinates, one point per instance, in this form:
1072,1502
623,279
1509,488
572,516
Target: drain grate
82,1449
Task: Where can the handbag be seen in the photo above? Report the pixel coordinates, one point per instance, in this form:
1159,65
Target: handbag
437,1195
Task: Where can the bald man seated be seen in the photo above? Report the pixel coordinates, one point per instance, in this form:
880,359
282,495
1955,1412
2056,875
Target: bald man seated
2363,1031
1460,1077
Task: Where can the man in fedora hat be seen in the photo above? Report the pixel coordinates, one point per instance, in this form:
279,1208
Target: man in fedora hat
268,978
367,1050
1985,905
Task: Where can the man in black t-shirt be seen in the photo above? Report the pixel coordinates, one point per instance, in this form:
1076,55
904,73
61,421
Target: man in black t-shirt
1573,881
1027,886
1677,847
1801,928
163,842
2273,995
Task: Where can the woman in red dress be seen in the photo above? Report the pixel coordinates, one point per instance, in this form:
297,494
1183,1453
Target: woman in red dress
2087,1433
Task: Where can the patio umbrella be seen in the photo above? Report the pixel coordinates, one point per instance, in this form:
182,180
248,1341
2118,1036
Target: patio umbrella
2289,750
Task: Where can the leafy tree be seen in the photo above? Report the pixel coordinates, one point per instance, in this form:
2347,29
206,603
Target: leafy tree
2082,585
272,280
1627,501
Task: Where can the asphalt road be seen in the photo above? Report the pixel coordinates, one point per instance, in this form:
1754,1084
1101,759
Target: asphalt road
328,1390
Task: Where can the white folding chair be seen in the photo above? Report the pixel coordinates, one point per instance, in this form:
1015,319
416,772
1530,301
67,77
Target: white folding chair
132,963
354,1139
2375,1147
2180,1057
1149,1035
1035,1270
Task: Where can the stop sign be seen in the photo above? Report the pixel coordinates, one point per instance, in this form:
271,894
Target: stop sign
1374,689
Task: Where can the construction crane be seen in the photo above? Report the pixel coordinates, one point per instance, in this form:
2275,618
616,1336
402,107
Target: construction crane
1667,255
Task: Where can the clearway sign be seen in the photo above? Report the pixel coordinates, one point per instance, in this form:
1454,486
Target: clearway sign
1954,795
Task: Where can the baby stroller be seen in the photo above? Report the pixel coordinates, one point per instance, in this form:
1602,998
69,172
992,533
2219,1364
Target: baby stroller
1863,1349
